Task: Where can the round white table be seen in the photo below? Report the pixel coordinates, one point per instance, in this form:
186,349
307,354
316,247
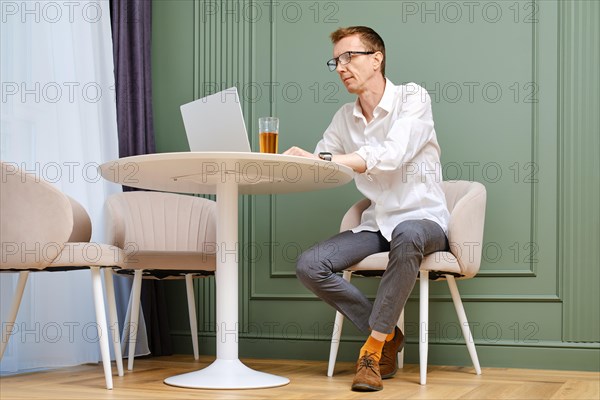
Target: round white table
226,174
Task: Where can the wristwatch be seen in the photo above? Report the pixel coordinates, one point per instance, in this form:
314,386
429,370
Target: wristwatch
325,155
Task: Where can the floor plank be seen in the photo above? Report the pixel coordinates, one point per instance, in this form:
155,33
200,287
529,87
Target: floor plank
308,381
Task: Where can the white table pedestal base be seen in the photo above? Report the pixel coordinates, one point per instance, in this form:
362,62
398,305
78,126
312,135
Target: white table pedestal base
226,374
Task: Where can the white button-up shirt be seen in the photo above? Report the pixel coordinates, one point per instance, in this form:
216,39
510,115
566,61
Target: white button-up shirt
403,176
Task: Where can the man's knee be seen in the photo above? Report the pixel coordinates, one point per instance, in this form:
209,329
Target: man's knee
409,236
312,266
302,266
308,267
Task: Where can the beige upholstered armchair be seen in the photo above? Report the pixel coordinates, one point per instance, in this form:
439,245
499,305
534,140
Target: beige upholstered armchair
165,236
466,203
36,216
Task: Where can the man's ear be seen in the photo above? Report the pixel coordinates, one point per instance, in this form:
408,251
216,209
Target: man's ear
377,60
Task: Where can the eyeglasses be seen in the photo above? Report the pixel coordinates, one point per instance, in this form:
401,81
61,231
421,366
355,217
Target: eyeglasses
345,58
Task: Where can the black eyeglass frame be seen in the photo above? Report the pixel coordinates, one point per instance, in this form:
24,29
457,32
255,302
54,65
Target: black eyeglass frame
333,63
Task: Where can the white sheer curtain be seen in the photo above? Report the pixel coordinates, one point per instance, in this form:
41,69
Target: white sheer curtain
58,120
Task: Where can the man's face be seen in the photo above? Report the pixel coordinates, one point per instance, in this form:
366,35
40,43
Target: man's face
362,69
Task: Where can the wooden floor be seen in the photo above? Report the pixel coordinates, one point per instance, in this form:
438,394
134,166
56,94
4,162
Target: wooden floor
308,381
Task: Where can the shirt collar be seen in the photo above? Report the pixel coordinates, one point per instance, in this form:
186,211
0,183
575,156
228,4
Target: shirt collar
386,103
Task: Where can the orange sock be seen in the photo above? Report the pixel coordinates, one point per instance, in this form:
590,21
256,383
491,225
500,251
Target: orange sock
372,346
390,336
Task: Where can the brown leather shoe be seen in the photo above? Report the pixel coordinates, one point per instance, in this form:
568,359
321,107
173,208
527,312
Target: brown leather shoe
388,365
367,378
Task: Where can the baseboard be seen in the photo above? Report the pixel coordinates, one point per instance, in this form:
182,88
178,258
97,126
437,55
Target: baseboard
541,355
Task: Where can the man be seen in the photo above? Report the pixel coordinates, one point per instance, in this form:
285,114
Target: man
387,137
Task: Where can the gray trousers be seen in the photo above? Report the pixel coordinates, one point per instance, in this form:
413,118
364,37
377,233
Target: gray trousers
412,240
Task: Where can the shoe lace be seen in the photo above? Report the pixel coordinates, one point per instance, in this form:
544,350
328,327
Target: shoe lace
367,361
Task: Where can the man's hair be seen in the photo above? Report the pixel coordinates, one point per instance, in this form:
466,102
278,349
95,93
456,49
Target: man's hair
368,37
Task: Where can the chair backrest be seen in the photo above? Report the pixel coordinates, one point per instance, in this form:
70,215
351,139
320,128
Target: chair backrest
36,220
161,222
466,203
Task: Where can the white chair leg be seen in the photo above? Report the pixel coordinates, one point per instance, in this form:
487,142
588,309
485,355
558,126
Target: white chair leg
464,324
423,324
401,352
113,320
14,310
335,341
189,287
126,323
337,333
136,291
102,326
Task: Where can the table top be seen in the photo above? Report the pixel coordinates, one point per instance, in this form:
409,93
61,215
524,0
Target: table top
201,172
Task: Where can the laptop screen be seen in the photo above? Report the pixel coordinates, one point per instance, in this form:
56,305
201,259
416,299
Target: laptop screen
216,123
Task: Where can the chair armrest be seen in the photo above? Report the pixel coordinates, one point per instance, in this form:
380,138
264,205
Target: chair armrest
114,217
465,229
352,217
82,225
37,220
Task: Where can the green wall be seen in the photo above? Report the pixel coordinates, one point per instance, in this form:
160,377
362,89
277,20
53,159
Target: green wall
515,89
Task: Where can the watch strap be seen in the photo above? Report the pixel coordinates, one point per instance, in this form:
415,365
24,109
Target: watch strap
325,155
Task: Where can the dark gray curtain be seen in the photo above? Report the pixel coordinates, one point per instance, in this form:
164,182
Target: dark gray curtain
132,32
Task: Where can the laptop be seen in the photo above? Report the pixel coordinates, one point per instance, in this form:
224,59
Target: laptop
216,123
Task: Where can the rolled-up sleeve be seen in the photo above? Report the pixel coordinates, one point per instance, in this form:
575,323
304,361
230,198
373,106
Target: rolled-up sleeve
406,137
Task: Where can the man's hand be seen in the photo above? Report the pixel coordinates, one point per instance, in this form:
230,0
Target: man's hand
297,151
